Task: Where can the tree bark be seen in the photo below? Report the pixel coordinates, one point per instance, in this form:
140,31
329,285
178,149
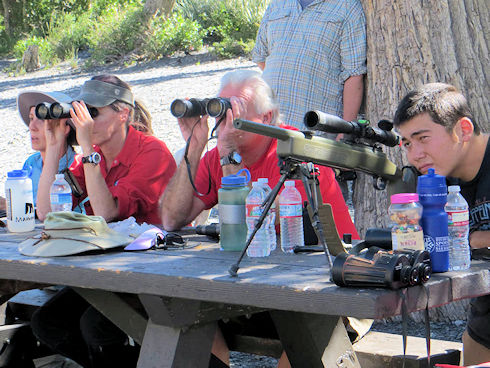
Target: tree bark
6,16
415,42
164,7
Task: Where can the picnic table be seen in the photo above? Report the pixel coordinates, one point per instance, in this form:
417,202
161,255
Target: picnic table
185,292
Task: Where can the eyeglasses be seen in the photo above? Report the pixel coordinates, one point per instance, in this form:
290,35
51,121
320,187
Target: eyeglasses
168,241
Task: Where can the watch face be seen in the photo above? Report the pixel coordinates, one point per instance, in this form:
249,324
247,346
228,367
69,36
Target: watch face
95,157
235,158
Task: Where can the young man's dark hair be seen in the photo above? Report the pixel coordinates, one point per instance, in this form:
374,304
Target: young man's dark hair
443,102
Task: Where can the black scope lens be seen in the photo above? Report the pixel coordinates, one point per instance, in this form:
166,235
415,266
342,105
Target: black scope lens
317,120
60,110
42,110
217,106
188,108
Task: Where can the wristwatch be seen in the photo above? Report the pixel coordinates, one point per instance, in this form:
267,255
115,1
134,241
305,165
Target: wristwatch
233,158
94,158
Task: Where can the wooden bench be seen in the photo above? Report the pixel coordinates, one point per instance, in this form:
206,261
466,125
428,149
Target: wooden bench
375,350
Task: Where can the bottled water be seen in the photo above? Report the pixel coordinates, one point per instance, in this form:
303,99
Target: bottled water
259,247
291,218
271,217
60,195
458,229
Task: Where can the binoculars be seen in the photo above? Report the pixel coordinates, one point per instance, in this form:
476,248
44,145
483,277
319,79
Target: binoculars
376,266
214,107
58,110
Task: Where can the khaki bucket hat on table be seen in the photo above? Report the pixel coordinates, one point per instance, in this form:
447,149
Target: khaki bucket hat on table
67,233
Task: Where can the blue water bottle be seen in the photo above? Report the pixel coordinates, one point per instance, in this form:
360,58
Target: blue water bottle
432,192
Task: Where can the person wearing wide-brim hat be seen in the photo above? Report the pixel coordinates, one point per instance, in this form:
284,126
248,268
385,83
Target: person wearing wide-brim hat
26,105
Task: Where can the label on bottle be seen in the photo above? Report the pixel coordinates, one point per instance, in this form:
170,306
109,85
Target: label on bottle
458,218
231,213
437,244
61,198
254,210
290,210
408,240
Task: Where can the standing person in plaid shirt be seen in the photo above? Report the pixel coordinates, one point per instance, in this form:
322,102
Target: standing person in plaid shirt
313,55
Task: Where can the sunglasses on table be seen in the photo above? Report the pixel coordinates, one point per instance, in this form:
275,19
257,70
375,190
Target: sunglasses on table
168,241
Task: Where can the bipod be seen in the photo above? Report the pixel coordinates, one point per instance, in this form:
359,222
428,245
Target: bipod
288,170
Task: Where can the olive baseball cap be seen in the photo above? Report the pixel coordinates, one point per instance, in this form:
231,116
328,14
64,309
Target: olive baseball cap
26,100
99,94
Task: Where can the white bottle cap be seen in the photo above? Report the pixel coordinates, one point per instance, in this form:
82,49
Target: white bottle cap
59,176
263,180
289,183
453,188
255,184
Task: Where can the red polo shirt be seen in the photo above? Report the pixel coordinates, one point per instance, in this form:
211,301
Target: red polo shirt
267,167
137,177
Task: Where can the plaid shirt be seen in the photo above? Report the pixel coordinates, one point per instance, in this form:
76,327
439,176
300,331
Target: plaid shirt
310,53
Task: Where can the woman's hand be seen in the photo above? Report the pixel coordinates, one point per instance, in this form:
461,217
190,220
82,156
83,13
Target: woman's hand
84,124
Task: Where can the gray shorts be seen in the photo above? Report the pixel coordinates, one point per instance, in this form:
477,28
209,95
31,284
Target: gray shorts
479,320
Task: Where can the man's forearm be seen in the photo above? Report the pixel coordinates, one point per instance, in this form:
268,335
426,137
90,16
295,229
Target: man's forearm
177,202
480,239
352,97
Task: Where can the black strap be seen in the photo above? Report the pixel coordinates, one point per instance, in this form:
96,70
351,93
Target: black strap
188,164
427,324
404,323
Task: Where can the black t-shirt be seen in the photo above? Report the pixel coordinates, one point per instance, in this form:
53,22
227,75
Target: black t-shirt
477,194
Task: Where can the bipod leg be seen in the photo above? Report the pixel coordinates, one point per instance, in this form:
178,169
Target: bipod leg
233,271
315,219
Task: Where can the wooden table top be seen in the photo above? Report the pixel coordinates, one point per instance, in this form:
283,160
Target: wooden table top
294,282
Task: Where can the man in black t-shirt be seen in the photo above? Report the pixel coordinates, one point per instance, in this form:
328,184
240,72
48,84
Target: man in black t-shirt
438,131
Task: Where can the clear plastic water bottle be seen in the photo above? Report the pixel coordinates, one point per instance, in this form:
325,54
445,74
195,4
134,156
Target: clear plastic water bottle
271,217
259,247
458,229
60,195
291,218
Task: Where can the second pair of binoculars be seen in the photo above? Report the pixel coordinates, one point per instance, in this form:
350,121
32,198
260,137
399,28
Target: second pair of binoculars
58,110
214,107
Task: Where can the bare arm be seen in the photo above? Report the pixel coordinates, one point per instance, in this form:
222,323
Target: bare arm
179,206
480,239
3,204
101,199
352,97
261,65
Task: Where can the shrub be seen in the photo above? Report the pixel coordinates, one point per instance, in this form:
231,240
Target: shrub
118,31
173,34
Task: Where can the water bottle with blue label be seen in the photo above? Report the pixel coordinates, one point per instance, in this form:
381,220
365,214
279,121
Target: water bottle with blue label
231,206
432,192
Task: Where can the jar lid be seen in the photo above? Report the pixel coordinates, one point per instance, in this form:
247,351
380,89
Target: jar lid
17,174
236,180
404,198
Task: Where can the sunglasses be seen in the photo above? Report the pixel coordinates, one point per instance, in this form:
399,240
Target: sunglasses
168,241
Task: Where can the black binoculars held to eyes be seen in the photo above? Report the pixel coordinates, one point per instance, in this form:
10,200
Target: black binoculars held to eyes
214,107
59,110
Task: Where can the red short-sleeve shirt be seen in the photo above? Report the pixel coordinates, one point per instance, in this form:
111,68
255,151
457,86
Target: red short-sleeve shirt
267,167
137,177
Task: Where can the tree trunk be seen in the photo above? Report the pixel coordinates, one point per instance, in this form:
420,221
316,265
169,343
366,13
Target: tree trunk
415,42
164,7
6,16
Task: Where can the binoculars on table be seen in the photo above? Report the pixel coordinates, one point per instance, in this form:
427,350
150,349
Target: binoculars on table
214,107
59,110
367,265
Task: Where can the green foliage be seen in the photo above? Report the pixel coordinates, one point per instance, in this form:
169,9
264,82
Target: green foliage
118,32
173,34
46,52
231,25
69,34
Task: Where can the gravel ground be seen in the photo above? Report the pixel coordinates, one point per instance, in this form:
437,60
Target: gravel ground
157,84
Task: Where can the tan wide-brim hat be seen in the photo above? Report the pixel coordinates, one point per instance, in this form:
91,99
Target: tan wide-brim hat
67,233
26,100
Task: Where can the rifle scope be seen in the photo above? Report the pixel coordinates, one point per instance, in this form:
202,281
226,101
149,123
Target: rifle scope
317,120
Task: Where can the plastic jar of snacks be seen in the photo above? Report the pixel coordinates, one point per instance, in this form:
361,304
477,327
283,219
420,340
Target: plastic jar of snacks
405,213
